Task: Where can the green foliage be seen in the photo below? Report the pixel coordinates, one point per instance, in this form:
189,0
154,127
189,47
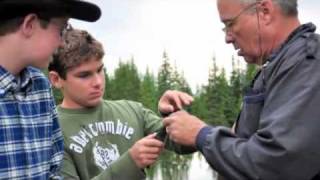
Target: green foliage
148,91
217,96
236,91
199,106
250,73
126,82
214,96
58,97
164,75
107,94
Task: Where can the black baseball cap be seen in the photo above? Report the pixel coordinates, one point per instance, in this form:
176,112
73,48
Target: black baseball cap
77,9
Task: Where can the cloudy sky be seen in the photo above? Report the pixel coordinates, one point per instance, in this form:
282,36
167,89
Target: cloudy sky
188,30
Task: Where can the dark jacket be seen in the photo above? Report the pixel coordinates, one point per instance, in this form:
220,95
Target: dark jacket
278,129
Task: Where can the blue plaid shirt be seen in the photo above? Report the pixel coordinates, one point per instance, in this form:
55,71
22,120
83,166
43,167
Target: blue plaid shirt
31,143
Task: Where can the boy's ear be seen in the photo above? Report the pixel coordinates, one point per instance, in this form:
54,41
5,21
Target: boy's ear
55,79
29,25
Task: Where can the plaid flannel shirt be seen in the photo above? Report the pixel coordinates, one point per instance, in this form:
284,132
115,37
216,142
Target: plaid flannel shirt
31,143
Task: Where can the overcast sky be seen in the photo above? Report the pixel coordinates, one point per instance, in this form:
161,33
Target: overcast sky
188,30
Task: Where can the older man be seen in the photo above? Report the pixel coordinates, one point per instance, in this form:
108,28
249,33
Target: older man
276,133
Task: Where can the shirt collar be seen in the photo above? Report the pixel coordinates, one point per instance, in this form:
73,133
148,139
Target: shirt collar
297,33
9,82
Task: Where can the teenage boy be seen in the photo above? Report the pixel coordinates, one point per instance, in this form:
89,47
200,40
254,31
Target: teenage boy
31,143
110,140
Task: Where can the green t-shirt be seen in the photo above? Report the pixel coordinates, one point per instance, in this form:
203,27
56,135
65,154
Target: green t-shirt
97,140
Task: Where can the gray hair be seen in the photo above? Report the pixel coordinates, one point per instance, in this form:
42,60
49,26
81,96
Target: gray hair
288,7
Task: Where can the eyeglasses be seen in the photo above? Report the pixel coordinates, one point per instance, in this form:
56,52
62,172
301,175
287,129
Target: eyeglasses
229,23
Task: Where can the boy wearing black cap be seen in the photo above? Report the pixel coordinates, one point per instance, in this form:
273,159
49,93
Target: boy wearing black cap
102,137
31,144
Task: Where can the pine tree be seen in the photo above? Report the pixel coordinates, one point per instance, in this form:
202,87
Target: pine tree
236,91
173,166
108,85
213,98
126,82
222,98
164,75
199,106
179,82
148,91
250,73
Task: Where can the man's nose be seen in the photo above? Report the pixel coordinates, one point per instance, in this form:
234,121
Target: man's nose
229,38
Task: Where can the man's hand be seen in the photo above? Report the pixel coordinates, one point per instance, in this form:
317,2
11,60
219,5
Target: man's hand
183,128
172,101
146,151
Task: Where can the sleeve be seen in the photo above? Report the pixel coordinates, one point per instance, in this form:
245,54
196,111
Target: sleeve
114,172
286,145
68,168
57,145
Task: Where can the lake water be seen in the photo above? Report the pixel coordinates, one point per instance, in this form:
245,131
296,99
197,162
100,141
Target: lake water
199,170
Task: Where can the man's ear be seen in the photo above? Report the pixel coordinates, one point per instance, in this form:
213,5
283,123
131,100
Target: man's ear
266,10
29,25
55,79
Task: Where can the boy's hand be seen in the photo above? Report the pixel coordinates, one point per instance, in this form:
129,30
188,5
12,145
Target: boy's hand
172,101
146,151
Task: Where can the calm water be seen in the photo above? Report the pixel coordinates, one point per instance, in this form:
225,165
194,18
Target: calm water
199,170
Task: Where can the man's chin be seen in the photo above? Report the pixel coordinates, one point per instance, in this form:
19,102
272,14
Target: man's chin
250,60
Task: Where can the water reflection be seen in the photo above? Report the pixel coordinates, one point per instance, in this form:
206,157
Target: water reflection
200,169
177,167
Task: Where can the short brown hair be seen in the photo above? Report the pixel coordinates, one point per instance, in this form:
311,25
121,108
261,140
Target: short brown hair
12,25
78,47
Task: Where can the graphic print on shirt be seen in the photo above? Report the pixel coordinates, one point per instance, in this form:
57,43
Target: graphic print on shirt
103,157
80,140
